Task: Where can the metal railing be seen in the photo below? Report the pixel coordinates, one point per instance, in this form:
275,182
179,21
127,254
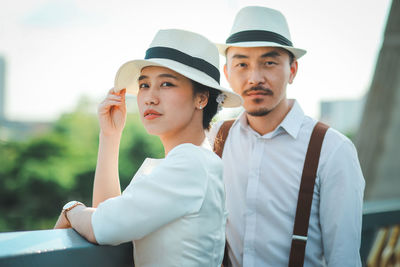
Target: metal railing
67,248
376,215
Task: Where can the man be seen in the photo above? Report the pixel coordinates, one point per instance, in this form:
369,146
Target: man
265,151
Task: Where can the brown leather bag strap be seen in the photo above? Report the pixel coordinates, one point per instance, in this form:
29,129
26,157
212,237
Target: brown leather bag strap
220,139
306,191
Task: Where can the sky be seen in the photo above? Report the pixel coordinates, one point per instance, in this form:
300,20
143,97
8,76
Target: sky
57,51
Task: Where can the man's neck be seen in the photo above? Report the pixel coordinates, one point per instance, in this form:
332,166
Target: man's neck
268,123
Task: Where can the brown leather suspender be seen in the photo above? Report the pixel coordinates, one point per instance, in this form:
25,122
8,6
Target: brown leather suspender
306,191
220,139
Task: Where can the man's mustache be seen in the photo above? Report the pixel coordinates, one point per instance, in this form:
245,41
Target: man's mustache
259,89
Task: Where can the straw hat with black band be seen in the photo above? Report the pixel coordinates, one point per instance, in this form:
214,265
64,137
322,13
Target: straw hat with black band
256,26
184,52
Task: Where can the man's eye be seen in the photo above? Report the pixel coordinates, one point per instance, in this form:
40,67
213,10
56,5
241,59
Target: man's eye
270,63
242,65
166,84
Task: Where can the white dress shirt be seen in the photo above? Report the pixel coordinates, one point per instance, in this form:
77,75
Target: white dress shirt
262,177
173,210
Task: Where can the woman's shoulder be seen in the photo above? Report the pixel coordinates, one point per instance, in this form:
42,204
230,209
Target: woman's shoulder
194,155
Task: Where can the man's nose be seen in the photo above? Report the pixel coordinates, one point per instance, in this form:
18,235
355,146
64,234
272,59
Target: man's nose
256,76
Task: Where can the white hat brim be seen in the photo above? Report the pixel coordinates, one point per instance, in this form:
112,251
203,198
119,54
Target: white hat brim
297,52
128,74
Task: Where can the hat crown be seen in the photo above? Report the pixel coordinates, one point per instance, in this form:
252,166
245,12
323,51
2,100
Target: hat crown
260,18
190,43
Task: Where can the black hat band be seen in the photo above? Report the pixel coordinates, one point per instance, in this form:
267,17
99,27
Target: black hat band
258,36
179,56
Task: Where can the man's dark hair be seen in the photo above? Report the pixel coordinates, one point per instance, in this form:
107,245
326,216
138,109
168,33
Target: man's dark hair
291,57
211,108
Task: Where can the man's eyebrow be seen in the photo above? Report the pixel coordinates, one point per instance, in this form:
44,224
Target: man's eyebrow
271,54
239,56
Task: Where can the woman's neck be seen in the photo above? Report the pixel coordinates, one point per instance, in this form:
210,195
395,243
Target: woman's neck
193,135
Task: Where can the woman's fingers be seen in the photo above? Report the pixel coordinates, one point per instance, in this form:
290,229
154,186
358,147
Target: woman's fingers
110,103
113,99
120,92
118,97
112,112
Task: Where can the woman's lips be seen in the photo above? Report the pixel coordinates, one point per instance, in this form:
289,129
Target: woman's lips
151,114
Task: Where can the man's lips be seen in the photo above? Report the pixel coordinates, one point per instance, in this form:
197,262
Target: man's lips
257,91
150,114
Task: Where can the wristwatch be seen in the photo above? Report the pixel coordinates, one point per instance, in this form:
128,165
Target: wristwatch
69,206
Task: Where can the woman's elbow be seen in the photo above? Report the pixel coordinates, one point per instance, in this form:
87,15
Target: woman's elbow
91,238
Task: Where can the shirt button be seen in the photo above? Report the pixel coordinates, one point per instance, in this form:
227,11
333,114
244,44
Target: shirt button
248,249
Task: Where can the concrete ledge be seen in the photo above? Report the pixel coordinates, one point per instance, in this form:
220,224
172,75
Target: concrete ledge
63,247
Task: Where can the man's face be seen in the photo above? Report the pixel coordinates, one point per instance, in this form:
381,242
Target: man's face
260,75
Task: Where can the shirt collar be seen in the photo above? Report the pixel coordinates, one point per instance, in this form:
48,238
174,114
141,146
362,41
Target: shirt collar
293,120
291,123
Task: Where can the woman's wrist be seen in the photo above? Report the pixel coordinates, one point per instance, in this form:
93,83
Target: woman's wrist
114,137
70,213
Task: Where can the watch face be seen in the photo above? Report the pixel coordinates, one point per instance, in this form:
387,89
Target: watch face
69,204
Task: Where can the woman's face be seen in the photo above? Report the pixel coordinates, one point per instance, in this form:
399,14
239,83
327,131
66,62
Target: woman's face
166,101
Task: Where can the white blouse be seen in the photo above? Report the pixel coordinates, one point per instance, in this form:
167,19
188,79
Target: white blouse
173,210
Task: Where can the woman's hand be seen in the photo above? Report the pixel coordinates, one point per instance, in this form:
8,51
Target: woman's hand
62,222
112,113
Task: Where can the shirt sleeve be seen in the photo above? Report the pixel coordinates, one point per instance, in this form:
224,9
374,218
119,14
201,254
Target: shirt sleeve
341,200
173,189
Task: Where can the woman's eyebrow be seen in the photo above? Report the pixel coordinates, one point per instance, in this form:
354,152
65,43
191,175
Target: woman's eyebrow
167,75
163,75
141,77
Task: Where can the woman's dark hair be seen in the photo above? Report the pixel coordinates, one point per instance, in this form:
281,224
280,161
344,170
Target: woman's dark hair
211,108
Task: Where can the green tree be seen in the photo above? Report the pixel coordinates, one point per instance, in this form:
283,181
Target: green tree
41,174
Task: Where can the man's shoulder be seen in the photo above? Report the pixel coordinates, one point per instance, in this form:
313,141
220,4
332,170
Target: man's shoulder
212,133
332,135
335,143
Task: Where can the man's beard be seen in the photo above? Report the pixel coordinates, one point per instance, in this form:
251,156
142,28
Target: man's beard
259,113
265,91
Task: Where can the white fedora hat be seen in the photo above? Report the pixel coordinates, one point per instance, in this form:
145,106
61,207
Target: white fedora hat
184,52
256,26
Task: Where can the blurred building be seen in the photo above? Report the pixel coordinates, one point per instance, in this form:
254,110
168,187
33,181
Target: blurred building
378,138
15,130
343,115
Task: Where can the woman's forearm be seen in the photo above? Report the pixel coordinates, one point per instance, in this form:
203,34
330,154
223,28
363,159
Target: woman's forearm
80,218
106,179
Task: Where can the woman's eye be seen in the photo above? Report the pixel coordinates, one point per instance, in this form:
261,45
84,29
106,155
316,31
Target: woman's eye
143,85
166,84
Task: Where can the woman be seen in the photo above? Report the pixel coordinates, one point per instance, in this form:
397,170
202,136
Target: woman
174,208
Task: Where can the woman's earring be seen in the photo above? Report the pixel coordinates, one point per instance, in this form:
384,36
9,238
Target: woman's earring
200,107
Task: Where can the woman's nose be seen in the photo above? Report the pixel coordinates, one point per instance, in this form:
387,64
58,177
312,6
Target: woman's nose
152,97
